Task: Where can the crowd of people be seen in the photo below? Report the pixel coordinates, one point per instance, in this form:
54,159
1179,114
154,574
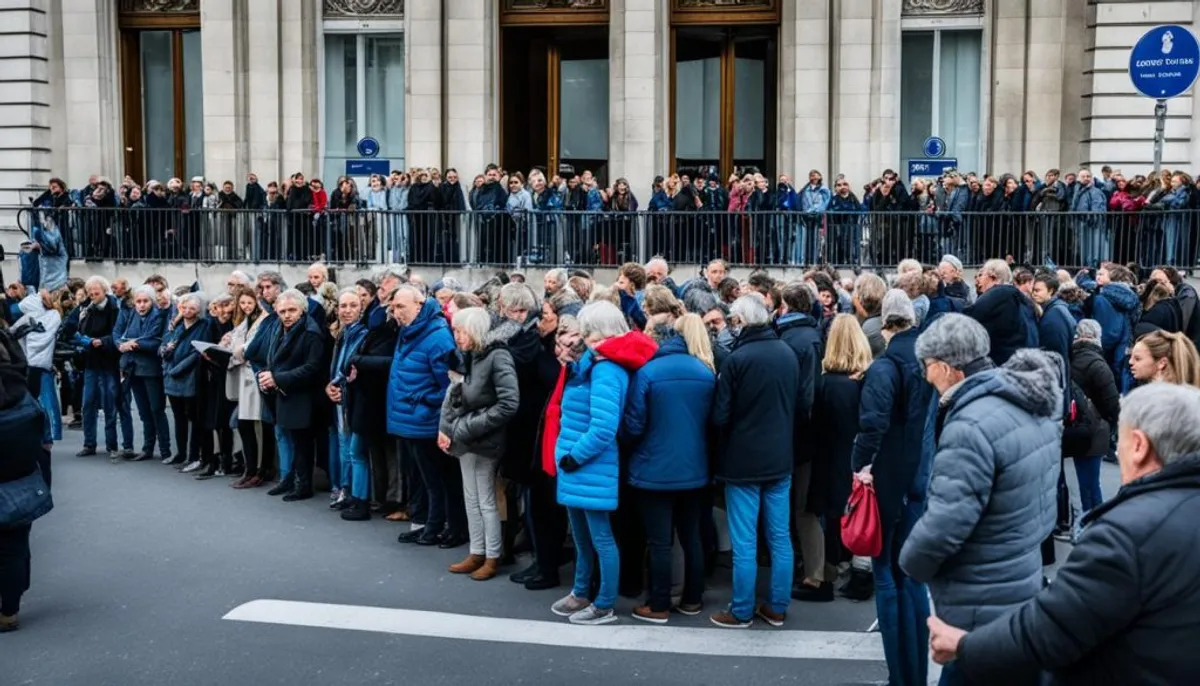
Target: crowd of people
649,413
423,216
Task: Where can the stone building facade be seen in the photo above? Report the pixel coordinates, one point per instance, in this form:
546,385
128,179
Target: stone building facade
630,88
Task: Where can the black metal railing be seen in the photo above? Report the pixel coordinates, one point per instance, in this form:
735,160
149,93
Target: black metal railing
597,239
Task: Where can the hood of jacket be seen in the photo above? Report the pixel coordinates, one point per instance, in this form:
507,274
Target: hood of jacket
1122,297
32,306
793,320
1029,380
430,312
1071,293
500,334
672,344
631,351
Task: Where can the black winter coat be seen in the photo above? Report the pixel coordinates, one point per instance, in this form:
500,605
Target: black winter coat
1095,378
1125,606
1008,316
834,424
1166,315
803,336
537,373
367,400
755,407
298,362
216,409
98,323
423,197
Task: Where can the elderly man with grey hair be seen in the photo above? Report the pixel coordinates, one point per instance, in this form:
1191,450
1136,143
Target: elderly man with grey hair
1125,606
1004,311
554,281
755,410
991,496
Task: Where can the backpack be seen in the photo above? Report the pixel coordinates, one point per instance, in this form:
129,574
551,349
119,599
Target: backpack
1080,424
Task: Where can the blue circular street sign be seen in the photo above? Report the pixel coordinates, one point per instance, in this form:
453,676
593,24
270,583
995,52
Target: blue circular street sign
368,147
1164,63
934,147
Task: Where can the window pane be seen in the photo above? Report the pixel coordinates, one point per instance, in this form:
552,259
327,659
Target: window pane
749,108
583,118
193,105
385,96
341,102
916,94
698,109
958,111
158,106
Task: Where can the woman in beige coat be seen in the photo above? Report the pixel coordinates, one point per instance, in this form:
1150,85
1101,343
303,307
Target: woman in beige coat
258,444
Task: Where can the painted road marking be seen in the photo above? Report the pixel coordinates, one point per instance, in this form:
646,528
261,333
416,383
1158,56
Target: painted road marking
795,645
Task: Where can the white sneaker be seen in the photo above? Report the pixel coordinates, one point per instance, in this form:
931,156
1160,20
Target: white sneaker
568,605
593,616
192,467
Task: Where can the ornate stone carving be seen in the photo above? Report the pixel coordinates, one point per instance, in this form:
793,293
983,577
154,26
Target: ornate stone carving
361,8
523,5
918,7
160,6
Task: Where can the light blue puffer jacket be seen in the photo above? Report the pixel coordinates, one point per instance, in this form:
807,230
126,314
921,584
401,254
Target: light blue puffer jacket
592,405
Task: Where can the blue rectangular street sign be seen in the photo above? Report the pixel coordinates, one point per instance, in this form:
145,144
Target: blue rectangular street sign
931,167
367,167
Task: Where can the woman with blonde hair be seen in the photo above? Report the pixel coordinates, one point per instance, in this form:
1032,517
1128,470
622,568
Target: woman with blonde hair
835,419
1163,356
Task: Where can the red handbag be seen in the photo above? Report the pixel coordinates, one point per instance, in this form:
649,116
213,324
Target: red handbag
861,532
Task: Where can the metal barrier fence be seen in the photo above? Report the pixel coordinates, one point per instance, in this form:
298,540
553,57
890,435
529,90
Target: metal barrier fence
597,239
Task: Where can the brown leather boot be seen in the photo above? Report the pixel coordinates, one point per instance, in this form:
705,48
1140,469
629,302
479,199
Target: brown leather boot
469,564
488,570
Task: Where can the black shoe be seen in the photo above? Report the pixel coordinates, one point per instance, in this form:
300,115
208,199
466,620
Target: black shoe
449,541
861,586
206,474
356,511
428,540
541,582
524,575
813,594
75,425
127,454
86,452
298,494
284,486
1111,459
410,536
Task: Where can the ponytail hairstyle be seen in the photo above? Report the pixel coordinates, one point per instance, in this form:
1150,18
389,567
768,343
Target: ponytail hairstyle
1183,362
695,335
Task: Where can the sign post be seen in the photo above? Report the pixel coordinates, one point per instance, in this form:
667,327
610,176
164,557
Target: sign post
1163,65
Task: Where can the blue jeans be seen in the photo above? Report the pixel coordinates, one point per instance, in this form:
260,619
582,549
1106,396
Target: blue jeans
1087,471
594,539
100,392
124,413
286,450
336,466
902,606
355,473
1095,244
742,502
152,408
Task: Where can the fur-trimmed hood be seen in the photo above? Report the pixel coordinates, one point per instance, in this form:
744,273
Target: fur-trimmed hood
1030,379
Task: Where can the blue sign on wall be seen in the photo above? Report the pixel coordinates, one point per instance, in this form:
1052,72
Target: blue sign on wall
368,147
367,167
931,167
1164,63
934,147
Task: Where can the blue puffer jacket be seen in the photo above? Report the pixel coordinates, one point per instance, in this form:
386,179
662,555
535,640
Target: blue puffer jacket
593,402
667,410
419,376
181,368
991,498
148,330
1117,308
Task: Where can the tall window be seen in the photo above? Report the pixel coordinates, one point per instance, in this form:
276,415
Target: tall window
364,97
163,101
939,94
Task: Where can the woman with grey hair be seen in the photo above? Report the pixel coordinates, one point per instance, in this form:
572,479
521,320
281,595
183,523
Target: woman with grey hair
889,451
181,379
1094,376
991,501
139,343
588,466
474,419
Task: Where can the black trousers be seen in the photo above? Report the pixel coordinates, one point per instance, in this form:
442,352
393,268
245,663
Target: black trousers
250,452
664,513
183,411
14,568
547,523
443,485
302,460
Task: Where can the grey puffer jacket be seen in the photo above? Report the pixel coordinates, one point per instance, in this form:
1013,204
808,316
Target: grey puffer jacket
991,498
477,410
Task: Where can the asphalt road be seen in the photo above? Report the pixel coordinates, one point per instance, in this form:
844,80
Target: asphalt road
138,566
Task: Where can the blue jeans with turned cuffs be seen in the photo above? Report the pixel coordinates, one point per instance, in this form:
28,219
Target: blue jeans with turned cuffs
743,502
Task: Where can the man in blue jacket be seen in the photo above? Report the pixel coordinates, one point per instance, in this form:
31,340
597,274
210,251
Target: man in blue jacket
417,383
814,201
1090,204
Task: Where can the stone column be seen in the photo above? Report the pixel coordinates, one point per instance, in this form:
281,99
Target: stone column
637,110
24,111
223,47
858,81
1071,124
1008,117
93,115
263,92
299,21
1045,80
805,60
423,76
471,95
